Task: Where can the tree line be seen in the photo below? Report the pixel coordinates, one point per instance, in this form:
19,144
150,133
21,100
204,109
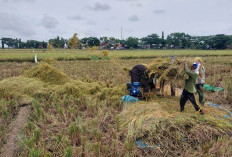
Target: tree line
153,41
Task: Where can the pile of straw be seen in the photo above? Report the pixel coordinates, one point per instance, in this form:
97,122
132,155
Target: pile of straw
47,73
44,80
164,69
171,133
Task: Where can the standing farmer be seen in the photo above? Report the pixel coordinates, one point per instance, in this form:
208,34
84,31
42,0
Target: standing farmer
190,88
201,79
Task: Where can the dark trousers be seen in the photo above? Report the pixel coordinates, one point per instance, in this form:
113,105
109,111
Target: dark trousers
188,96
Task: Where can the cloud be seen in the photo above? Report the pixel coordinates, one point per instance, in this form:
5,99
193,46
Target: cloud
133,18
75,18
106,29
127,0
139,5
112,18
159,11
90,22
49,22
19,0
90,33
99,7
16,25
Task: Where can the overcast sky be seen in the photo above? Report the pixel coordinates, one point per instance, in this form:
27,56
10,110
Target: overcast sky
45,19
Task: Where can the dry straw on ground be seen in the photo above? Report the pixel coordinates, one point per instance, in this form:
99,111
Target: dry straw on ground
158,123
168,131
44,79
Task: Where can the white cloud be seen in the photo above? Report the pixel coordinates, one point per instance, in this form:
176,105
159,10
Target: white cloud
14,24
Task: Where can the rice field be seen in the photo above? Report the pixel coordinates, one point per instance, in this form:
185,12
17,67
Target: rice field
76,109
28,55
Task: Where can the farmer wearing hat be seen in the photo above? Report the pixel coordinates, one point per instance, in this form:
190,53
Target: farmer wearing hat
190,88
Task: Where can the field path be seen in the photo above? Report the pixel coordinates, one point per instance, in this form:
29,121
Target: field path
12,146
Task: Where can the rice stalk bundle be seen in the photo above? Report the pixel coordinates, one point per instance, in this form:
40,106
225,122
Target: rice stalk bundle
163,69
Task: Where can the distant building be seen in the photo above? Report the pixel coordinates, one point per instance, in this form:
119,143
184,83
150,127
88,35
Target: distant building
5,46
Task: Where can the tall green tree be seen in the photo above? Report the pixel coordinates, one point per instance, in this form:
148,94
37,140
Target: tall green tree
221,41
58,42
153,40
132,42
179,40
90,41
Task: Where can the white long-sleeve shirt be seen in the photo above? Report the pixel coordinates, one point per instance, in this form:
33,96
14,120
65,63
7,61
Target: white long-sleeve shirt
199,79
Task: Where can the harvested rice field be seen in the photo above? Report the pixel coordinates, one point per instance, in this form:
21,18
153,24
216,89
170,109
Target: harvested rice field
75,108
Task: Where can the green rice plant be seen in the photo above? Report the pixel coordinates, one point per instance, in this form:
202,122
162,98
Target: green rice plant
59,138
30,126
84,139
96,149
74,132
5,112
37,134
28,143
97,134
89,147
34,153
95,57
68,152
47,105
38,109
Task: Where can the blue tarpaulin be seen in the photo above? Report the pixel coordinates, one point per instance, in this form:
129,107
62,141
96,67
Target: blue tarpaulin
212,104
130,99
143,145
217,106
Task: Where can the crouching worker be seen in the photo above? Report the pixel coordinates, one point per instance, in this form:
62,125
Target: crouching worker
140,79
190,88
